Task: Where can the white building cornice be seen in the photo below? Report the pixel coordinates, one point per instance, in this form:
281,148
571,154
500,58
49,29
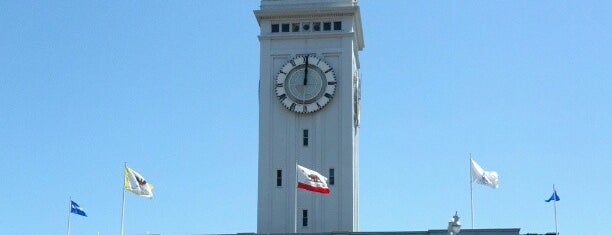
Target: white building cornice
304,13
286,4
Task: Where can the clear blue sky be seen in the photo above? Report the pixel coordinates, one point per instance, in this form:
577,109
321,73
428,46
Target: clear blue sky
171,88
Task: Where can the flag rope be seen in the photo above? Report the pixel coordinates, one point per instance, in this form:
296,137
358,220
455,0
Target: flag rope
123,203
296,198
471,192
555,205
69,211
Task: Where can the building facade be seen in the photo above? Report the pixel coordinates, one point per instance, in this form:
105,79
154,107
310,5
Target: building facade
308,113
500,231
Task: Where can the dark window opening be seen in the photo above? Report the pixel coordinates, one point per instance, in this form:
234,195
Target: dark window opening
285,28
275,28
316,26
295,27
326,26
332,177
279,178
305,138
306,26
304,218
338,25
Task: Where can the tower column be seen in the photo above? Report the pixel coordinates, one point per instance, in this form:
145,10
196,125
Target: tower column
307,89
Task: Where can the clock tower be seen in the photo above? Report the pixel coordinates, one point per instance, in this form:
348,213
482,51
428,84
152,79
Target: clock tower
309,97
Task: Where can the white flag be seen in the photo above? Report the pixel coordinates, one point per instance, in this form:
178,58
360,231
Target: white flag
481,176
136,184
311,180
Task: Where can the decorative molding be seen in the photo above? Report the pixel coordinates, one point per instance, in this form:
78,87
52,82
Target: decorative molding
293,14
306,35
286,54
304,16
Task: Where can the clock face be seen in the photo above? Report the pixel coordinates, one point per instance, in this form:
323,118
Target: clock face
305,84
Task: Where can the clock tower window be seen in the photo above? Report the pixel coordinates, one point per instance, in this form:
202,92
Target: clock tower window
285,28
305,137
295,27
316,26
304,218
338,25
279,178
326,26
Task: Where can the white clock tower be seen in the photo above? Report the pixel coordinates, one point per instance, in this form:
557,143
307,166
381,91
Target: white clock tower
308,113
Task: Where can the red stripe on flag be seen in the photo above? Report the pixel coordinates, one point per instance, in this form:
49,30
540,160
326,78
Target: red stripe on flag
313,188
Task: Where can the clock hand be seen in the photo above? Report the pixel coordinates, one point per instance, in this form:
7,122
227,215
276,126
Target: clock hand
306,72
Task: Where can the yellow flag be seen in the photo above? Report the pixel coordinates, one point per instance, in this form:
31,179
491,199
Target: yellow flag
136,184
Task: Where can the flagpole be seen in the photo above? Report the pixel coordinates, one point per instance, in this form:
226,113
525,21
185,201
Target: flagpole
123,203
555,205
295,201
69,210
471,192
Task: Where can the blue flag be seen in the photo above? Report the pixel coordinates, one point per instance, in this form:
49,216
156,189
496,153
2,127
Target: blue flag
554,197
76,209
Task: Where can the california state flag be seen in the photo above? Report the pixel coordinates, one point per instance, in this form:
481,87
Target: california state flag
311,180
